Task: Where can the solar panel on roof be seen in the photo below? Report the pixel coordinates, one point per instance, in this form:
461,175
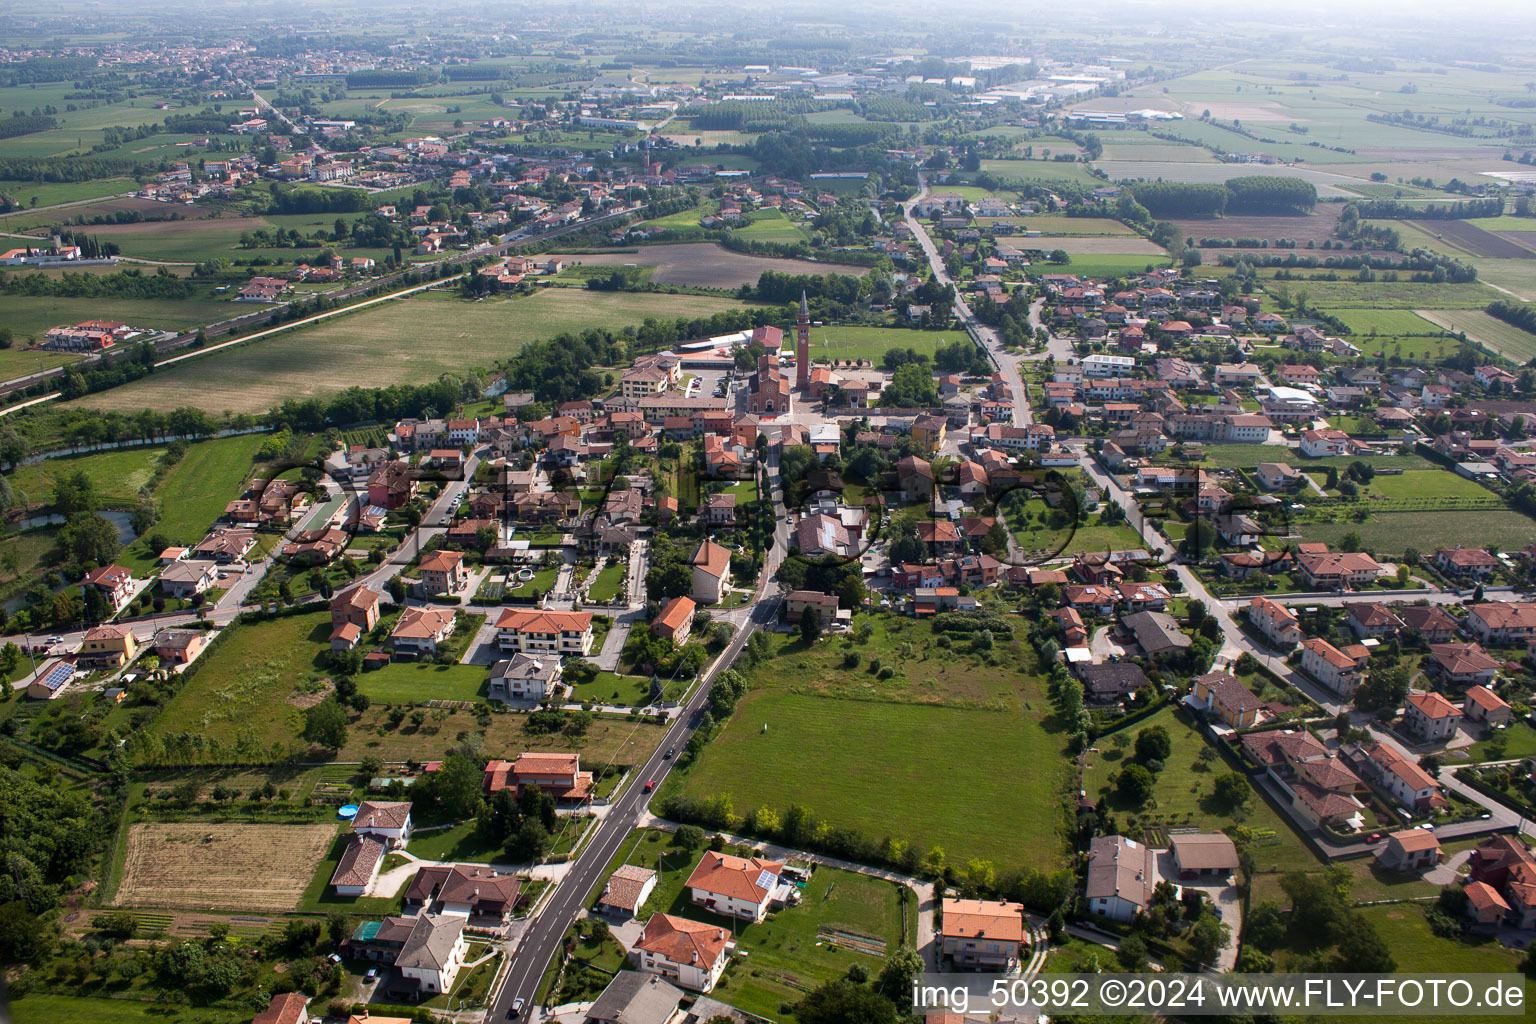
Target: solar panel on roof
58,675
766,879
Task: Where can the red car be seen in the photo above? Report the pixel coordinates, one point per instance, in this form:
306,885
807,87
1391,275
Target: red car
650,785
1374,837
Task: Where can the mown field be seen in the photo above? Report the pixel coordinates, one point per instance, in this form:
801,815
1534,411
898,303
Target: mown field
898,757
410,341
38,1008
858,342
1503,338
30,317
707,265
1390,533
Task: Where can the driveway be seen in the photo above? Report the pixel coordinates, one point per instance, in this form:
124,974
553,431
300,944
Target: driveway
1223,895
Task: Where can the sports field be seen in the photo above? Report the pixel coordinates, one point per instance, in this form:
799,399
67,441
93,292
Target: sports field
1503,338
404,342
898,757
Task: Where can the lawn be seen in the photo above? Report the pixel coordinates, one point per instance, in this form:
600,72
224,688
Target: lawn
38,1008
409,341
872,343
53,193
605,587
1040,170
612,688
459,842
895,757
415,682
1519,740
117,476
1069,540
1428,483
770,226
1111,265
1183,798
239,692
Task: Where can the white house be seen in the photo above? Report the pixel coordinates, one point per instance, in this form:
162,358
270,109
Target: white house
690,953
734,886
1278,625
186,577
389,820
545,632
525,677
1121,876
433,952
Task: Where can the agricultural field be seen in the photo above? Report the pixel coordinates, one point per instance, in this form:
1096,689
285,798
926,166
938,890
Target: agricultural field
1335,295
1514,277
181,241
770,226
49,193
409,341
1329,185
1051,225
408,682
1315,227
1109,264
41,1008
894,755
1091,246
707,265
200,866
1489,331
1047,171
1476,241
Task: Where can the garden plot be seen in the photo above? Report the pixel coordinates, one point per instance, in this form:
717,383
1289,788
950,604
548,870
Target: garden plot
192,866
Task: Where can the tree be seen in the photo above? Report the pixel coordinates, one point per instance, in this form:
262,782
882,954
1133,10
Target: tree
89,537
1153,744
530,843
842,1002
1264,927
24,937
1207,938
896,974
1134,784
1132,954
73,494
1230,790
689,837
456,785
911,386
1361,949
1384,689
810,626
326,724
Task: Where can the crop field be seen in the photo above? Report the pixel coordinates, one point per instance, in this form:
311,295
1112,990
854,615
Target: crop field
1040,170
182,241
1476,241
1505,339
770,226
1329,185
1053,224
1514,277
395,343
1331,295
1315,227
707,265
197,866
48,193
1386,321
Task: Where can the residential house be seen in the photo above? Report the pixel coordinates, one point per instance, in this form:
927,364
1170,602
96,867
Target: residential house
1460,561
1485,906
1121,876
524,678
1431,716
711,565
1504,622
1110,681
1409,784
982,935
1157,634
386,820
1330,666
285,1008
1432,622
735,886
112,582
675,620
1278,625
798,602
536,632
186,577
1483,705
358,606
359,864
1373,619
419,631
559,775
634,997
628,888
690,953
107,646
1203,856
443,572
1277,476
433,953
1228,700
179,646
1337,570
1462,664
914,478
464,890
1409,850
